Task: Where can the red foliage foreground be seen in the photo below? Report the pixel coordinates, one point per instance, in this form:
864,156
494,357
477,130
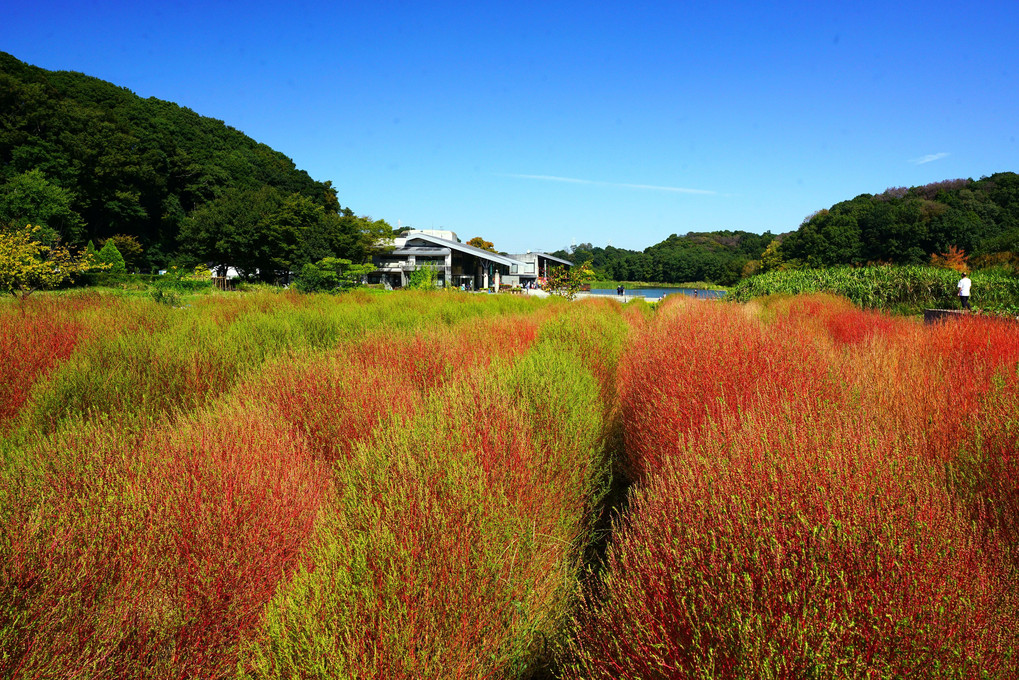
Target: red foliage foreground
153,557
825,493
819,492
154,550
35,336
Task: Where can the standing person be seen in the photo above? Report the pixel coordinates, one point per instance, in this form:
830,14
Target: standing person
964,286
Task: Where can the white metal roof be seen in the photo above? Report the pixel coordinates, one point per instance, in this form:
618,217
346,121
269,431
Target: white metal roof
462,247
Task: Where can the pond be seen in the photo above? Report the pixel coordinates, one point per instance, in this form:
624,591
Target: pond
661,292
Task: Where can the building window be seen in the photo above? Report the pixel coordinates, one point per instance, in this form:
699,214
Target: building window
514,269
529,268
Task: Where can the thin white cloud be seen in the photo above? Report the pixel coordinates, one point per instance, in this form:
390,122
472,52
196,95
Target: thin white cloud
647,187
928,158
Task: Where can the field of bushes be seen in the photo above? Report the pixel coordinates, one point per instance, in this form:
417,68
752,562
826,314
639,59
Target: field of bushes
443,485
905,289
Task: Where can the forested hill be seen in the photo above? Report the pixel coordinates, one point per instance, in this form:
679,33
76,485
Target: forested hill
908,225
978,218
90,160
721,257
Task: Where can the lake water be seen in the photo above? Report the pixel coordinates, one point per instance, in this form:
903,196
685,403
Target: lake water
661,292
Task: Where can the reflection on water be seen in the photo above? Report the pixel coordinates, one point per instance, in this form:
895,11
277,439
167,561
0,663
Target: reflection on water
661,292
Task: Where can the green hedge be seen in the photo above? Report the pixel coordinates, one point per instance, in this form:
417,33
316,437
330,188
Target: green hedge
904,289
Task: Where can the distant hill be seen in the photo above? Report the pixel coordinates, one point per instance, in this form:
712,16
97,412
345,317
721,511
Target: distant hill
907,225
901,225
720,257
93,160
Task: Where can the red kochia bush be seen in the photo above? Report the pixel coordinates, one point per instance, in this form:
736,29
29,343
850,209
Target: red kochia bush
980,362
836,318
238,496
35,336
338,399
839,559
153,557
699,362
787,531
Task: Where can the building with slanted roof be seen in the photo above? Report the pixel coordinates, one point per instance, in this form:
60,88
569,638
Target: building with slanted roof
531,267
455,263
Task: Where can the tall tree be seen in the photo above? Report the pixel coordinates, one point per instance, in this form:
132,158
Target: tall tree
29,198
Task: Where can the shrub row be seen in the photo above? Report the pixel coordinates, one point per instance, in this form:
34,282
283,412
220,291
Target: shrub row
824,493
905,289
290,485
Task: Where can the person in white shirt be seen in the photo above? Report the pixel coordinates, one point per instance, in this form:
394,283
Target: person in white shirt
964,285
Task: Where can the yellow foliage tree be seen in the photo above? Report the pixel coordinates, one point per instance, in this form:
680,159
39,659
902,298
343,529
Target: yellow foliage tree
771,258
955,258
27,265
479,242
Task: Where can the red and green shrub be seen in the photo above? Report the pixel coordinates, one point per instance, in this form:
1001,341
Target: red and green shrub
784,527
455,544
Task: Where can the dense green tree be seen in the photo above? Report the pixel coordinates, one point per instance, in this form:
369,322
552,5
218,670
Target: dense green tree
130,249
111,258
258,232
29,198
267,234
357,238
331,274
826,238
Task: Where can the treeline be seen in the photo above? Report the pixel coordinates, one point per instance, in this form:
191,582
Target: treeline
907,226
89,161
721,257
978,219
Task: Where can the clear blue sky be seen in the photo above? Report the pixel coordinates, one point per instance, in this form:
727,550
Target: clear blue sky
537,124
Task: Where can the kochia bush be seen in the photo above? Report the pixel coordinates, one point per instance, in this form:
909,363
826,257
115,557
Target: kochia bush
455,546
782,528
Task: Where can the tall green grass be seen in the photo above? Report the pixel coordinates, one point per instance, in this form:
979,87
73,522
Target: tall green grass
901,289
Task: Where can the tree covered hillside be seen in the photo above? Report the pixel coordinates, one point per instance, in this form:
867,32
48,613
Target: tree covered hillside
978,219
719,257
89,160
908,226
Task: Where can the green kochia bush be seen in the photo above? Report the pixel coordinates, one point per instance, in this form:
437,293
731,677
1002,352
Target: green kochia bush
184,357
455,545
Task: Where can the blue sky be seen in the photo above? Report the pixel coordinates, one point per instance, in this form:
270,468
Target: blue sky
540,124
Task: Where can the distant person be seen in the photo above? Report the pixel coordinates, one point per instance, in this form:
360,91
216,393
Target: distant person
964,286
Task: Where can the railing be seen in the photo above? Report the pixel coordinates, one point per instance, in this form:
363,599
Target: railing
407,267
